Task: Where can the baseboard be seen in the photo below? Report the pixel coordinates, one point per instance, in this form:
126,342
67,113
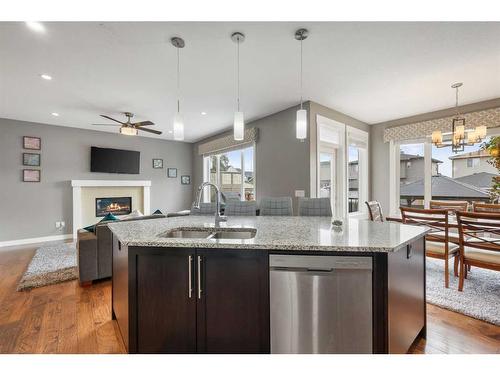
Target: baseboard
27,241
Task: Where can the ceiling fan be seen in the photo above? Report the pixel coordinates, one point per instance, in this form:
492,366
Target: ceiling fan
128,127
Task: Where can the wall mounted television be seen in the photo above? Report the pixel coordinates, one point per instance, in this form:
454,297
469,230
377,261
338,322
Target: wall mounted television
110,160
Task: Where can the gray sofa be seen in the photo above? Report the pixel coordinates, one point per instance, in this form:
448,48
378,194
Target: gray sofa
95,251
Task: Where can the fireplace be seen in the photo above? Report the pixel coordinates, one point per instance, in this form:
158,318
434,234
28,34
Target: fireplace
115,206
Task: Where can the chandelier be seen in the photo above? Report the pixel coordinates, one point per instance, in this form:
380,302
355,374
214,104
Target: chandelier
460,136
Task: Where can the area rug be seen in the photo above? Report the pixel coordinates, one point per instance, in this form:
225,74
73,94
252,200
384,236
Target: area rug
51,264
480,298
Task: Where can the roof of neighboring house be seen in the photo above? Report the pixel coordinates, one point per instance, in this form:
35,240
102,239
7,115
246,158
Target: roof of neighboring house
472,154
407,157
480,180
443,187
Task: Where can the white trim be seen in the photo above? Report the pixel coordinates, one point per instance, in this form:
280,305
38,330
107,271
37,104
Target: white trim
363,165
394,175
77,196
85,183
427,173
27,241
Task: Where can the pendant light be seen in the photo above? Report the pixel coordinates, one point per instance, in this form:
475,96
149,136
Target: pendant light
239,120
301,122
178,123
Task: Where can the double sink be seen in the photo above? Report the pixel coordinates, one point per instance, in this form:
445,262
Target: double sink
210,233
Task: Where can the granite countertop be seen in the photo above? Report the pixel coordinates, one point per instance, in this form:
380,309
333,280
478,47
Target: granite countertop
273,233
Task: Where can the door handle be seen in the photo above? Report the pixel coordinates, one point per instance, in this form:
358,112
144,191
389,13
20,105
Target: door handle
190,276
199,277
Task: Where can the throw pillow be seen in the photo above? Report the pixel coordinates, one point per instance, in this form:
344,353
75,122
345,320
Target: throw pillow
108,217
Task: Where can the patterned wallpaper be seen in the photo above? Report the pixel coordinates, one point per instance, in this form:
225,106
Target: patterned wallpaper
488,117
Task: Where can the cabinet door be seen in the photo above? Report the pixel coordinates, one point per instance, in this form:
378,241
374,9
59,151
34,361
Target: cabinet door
166,313
406,295
233,304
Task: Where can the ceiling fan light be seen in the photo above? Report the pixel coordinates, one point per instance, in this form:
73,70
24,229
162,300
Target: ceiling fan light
239,126
178,127
301,124
128,130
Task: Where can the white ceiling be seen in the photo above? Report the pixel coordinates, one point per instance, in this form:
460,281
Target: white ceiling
371,71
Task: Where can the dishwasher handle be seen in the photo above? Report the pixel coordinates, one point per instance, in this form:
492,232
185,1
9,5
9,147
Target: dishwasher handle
300,269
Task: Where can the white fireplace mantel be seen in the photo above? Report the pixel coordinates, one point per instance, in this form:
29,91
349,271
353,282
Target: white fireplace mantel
77,186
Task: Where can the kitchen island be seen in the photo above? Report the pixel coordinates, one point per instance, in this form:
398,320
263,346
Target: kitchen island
268,285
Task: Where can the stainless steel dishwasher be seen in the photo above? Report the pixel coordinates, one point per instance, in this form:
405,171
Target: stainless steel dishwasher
321,304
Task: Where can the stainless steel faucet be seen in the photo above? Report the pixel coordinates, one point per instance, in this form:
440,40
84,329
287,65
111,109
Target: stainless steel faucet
218,217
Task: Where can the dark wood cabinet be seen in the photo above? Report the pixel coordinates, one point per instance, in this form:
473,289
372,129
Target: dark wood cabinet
166,312
184,300
234,298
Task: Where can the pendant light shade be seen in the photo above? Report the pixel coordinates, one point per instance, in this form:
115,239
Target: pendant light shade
178,123
239,119
301,121
301,124
178,127
239,126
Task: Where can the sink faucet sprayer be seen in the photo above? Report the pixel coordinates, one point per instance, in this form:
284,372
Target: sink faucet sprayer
218,217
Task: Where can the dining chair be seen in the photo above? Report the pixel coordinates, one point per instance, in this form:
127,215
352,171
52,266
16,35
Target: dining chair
315,207
451,206
240,208
479,242
485,207
436,245
375,210
205,209
280,206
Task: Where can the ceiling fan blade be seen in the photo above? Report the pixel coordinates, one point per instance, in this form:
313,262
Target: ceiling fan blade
149,130
112,119
143,123
107,124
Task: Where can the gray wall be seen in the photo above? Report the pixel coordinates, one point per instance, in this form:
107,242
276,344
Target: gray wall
379,150
283,163
31,209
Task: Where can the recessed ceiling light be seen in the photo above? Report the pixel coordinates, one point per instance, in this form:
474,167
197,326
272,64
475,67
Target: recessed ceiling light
46,77
36,26
170,132
203,113
55,114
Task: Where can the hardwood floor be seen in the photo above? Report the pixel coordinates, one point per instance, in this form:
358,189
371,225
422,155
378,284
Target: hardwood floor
66,318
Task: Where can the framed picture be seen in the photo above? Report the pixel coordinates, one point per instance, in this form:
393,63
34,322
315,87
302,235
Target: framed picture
185,180
30,159
32,143
157,163
31,175
172,172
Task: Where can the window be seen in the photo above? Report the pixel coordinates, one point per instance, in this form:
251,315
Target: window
439,174
342,167
353,182
473,162
460,177
411,175
233,172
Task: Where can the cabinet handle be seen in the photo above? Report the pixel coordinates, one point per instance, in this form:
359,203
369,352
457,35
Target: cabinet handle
199,277
190,286
409,251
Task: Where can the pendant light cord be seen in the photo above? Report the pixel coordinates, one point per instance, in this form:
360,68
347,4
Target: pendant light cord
238,71
178,81
456,102
301,73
